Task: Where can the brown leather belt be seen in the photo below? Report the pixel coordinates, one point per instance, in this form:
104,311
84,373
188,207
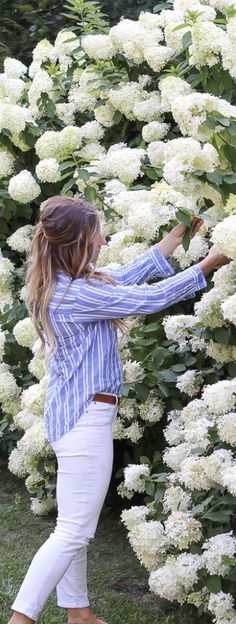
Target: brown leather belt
107,398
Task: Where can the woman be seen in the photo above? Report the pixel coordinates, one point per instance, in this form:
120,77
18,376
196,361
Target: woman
77,309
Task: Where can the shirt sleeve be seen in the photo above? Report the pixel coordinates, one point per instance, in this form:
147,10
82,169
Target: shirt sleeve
97,300
151,263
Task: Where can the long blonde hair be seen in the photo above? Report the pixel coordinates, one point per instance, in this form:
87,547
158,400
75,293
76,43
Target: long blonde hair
64,239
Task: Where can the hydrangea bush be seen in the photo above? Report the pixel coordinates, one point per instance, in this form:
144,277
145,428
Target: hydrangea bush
140,119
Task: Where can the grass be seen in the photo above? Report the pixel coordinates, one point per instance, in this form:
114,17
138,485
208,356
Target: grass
118,588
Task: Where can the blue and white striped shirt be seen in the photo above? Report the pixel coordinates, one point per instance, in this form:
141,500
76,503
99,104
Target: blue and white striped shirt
87,359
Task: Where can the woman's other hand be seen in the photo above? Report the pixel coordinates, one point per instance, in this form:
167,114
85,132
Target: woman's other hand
175,237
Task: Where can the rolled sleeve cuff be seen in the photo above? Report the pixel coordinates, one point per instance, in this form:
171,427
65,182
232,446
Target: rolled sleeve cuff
163,266
200,279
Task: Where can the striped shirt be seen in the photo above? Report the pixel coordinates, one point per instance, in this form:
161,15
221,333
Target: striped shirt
86,359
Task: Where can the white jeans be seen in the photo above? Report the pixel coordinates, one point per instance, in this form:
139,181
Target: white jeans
85,459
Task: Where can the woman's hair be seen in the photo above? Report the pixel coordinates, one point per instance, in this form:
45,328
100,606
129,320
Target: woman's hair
64,239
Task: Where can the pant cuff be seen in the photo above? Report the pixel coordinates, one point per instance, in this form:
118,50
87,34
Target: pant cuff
72,606
24,609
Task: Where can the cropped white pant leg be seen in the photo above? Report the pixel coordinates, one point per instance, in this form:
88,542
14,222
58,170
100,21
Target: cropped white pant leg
85,459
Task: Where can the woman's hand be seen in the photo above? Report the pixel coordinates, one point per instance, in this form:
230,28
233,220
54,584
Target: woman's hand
212,261
175,237
178,232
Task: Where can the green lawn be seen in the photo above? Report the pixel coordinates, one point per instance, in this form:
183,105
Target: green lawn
117,583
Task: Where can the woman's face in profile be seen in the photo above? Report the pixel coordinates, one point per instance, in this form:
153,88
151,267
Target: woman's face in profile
99,242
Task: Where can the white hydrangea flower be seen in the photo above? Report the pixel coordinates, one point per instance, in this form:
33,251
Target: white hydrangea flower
174,432
193,473
228,479
33,397
47,170
214,548
198,430
44,50
154,131
217,463
11,89
81,100
185,155
208,310
48,145
190,112
198,248
121,162
176,499
174,580
14,117
194,412
220,397
14,68
43,506
6,164
132,477
221,605
171,88
17,463
8,386
208,40
70,139
37,366
23,188
149,543
123,98
226,426
128,409
132,370
224,236
20,240
118,429
227,51
25,333
65,43
149,109
98,46
41,82
152,409
182,529
25,420
173,457
157,56
135,515
190,382
134,432
177,327
219,352
105,114
91,131
2,342
66,112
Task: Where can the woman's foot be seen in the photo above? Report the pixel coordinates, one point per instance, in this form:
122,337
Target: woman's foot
83,615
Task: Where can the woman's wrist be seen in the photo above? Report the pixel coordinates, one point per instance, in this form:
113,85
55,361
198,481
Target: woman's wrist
167,245
208,265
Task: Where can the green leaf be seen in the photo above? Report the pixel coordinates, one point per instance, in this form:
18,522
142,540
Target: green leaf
178,368
184,217
150,488
83,174
213,583
218,516
186,239
221,334
186,40
156,457
144,460
67,186
214,177
230,179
